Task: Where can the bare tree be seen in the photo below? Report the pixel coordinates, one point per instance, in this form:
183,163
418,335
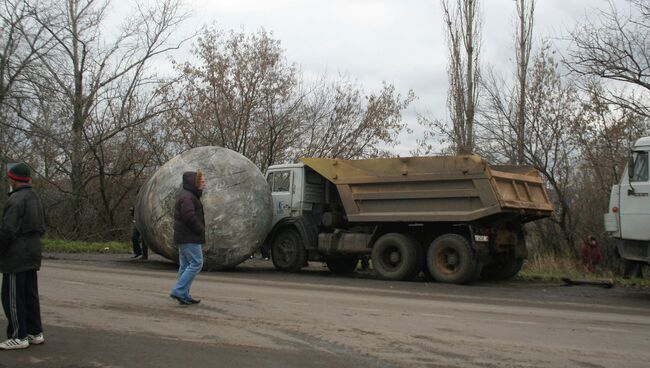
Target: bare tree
16,55
462,23
240,94
243,95
96,78
553,107
20,39
615,47
341,121
525,18
604,133
501,126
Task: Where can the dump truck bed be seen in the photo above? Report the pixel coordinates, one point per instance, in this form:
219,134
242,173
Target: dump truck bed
432,189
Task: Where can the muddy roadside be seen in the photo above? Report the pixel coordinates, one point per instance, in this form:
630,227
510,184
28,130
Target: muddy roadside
112,310
518,291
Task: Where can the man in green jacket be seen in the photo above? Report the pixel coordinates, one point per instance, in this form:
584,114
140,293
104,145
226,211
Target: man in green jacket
23,224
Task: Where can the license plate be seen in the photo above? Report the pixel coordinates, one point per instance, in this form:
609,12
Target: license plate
481,238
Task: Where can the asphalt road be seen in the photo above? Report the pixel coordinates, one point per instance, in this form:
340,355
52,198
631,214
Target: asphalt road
110,311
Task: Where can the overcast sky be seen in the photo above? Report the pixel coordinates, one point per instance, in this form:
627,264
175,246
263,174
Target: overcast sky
398,41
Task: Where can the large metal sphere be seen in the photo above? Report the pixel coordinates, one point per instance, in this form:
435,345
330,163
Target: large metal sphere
236,202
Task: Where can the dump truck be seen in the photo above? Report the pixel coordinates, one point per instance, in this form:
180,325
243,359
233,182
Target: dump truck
629,208
455,218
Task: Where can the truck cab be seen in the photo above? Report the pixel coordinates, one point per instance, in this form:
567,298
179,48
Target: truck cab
299,196
628,217
295,190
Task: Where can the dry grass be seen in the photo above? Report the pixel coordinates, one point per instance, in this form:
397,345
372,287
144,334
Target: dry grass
70,246
549,267
551,264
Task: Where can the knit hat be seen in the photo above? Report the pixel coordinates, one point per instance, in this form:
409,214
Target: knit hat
19,172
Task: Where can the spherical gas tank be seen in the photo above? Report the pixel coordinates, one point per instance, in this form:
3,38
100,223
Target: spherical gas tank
236,203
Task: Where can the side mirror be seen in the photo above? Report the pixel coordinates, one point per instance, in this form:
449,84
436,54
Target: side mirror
630,166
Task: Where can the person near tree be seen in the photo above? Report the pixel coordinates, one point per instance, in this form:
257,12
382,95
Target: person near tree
23,224
139,246
591,255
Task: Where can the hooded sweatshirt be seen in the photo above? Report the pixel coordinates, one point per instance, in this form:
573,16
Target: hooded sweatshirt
189,223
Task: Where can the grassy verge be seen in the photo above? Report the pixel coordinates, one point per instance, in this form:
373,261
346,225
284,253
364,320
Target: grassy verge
548,268
71,246
557,277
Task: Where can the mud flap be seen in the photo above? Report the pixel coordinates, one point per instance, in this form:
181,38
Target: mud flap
521,251
306,229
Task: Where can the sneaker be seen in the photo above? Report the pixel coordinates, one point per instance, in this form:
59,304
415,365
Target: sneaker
181,301
194,301
36,339
12,344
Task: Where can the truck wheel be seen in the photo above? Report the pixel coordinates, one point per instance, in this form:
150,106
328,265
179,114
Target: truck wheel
450,259
512,268
343,264
503,270
287,251
395,257
478,272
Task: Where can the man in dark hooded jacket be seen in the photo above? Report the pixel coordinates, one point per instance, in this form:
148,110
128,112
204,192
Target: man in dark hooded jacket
189,235
23,224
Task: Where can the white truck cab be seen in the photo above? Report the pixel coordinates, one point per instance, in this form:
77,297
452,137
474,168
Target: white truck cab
628,219
294,189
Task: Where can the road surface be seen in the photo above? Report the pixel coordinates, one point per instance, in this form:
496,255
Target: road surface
111,311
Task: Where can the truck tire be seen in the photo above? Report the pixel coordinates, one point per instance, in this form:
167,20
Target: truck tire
512,268
450,259
342,264
503,270
287,251
395,257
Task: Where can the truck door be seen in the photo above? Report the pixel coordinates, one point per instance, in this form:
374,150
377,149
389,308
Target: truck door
635,200
280,183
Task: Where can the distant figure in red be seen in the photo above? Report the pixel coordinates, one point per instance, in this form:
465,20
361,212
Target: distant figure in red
590,255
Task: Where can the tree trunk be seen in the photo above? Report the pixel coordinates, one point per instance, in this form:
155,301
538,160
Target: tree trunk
76,159
468,146
76,156
525,11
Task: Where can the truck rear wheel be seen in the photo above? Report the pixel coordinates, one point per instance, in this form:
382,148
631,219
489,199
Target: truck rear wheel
287,251
395,257
342,264
450,259
503,270
512,268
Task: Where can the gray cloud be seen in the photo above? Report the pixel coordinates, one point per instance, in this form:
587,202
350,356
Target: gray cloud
401,42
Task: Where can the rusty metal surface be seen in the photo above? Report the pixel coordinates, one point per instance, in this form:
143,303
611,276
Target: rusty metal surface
443,188
523,190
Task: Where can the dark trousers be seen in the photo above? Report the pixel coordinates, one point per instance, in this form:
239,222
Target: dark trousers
135,241
265,250
21,305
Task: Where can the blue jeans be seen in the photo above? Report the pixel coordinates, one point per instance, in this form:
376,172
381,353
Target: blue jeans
190,263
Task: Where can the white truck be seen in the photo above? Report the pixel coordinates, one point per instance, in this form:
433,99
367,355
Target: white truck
628,217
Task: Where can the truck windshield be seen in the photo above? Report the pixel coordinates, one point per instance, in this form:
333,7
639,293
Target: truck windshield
279,181
640,167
